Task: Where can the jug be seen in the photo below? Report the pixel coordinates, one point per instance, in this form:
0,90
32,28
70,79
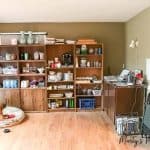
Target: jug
36,55
22,39
30,38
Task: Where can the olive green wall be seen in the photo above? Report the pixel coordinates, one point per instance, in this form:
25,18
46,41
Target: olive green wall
138,28
111,34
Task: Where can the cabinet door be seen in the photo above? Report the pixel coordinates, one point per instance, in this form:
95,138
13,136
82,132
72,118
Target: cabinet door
33,99
111,102
11,97
26,100
39,99
106,97
130,100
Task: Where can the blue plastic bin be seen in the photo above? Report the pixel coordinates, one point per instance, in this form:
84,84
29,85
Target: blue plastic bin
87,103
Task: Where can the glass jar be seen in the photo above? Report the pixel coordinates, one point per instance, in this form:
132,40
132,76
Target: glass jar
36,55
83,62
30,38
8,56
83,50
26,56
41,55
22,39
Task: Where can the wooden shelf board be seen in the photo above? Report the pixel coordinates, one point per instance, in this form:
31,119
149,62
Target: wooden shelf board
60,68
31,45
95,109
9,88
61,81
88,95
9,61
60,98
88,67
8,46
61,109
8,75
59,44
32,74
32,61
43,88
97,55
40,88
89,83
60,90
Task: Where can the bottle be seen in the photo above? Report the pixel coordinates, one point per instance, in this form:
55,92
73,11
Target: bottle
99,52
67,103
26,56
83,49
22,39
88,64
30,38
22,56
72,103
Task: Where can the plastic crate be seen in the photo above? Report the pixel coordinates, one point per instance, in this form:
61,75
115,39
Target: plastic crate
87,103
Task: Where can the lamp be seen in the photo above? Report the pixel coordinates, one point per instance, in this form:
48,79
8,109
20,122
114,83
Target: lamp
134,43
148,74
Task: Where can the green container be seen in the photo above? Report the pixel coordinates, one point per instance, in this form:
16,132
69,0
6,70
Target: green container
84,51
72,103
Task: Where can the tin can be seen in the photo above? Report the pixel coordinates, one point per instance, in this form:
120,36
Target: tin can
26,56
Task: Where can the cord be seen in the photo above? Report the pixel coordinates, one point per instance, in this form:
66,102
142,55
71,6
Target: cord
135,100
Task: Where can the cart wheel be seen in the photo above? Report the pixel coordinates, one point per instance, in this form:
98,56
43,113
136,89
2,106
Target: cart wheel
135,144
120,139
125,139
140,141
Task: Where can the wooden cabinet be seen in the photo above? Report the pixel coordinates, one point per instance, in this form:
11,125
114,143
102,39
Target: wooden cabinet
9,67
123,100
39,99
89,73
68,60
11,97
9,79
61,69
109,104
26,100
23,66
33,99
32,79
32,65
61,77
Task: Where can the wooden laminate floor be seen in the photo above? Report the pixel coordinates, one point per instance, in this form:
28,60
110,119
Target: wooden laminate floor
64,131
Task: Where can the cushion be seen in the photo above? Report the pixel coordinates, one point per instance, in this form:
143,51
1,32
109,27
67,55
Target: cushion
16,115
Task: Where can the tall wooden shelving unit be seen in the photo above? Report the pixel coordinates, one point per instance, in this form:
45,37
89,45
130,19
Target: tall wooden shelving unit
11,96
32,99
95,70
78,71
29,99
53,87
38,99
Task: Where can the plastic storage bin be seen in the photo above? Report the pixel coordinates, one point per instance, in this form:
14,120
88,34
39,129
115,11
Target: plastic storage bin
87,103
